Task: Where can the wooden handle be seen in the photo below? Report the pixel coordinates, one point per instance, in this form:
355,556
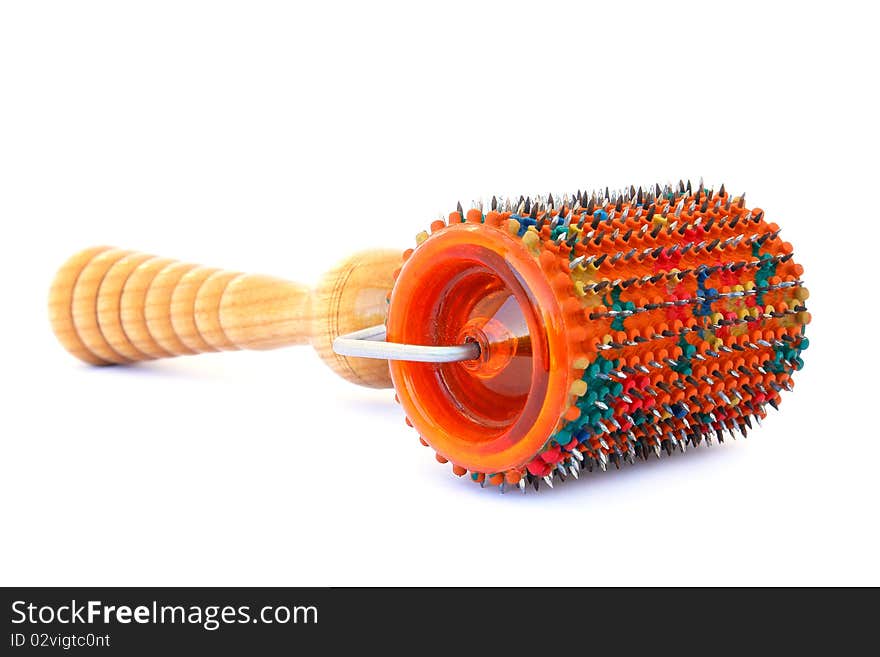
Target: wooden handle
111,306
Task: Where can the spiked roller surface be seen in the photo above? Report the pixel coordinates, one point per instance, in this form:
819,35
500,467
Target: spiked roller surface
683,319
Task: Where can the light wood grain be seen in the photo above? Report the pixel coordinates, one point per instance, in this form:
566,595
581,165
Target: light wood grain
262,312
349,297
114,306
61,305
157,308
132,307
207,309
84,309
183,306
108,306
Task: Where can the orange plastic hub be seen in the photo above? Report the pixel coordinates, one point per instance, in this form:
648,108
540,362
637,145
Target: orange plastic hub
472,282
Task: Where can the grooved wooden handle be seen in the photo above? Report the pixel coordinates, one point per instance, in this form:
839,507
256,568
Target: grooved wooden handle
109,306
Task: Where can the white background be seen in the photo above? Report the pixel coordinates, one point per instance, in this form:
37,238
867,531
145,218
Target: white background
276,138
